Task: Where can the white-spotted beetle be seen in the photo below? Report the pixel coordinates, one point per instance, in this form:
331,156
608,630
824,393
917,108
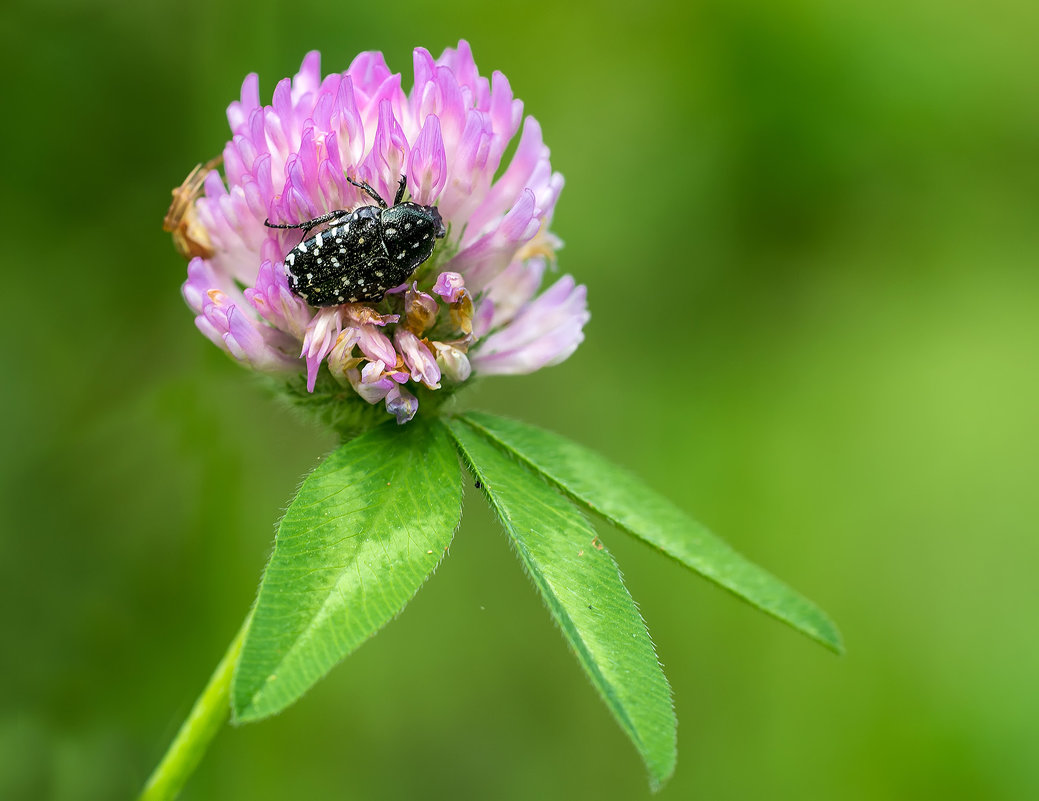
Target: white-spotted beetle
374,249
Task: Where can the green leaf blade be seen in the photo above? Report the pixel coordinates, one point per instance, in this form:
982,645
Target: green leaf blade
624,500
583,589
365,531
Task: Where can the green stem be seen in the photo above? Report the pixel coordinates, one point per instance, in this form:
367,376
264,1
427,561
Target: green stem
206,717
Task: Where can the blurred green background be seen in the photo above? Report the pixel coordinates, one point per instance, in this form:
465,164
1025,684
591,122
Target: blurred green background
821,341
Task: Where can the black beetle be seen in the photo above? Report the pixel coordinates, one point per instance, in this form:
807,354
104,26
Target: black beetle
358,258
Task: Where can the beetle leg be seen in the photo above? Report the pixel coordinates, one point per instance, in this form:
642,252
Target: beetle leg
400,190
306,226
371,192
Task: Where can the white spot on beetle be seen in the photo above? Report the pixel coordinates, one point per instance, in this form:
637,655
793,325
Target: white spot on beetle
360,241
389,232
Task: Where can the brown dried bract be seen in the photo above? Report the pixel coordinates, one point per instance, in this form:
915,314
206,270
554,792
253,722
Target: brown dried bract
189,237
462,313
362,314
419,317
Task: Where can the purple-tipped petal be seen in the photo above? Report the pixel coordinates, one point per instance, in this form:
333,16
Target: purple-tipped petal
275,303
483,318
529,153
544,333
485,258
341,358
346,123
319,339
376,345
308,79
469,177
385,163
402,404
463,66
424,67
368,72
512,289
239,110
449,286
371,382
419,361
241,334
249,342
427,166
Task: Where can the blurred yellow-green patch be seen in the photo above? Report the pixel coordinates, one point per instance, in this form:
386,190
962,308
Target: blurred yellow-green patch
809,232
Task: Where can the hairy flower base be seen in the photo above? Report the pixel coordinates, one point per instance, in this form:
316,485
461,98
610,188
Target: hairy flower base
476,307
339,408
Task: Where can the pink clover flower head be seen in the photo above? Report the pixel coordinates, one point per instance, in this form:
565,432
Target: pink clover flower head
478,305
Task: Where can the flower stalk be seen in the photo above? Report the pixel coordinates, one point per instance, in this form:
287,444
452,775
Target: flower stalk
207,716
